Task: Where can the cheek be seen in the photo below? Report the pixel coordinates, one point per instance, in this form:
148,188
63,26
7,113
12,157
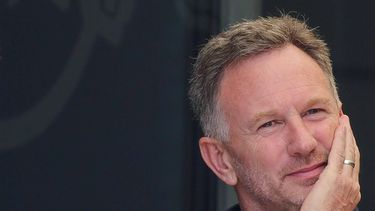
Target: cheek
270,155
325,133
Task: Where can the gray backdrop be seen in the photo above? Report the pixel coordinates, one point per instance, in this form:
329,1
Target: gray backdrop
94,114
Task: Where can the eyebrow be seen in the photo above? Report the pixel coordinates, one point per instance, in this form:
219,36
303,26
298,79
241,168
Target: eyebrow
318,100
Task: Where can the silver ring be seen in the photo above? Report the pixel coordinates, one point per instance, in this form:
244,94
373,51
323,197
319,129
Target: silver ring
349,162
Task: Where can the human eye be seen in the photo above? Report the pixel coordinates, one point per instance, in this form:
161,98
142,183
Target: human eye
269,127
268,124
314,113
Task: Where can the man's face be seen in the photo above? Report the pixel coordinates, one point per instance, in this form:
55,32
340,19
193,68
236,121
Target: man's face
282,116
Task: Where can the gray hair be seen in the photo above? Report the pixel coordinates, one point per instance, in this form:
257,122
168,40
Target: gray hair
243,40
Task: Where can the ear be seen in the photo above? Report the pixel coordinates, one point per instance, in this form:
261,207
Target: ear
217,159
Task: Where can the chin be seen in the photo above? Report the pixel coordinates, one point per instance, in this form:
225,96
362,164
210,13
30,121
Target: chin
299,192
306,186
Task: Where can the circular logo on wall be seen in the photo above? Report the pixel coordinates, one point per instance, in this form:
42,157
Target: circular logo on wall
44,47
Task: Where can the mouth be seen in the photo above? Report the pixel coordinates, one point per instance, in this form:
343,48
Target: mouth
308,172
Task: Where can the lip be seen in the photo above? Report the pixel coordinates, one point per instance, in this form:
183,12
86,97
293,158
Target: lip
308,171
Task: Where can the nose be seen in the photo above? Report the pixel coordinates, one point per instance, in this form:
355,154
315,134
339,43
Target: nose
301,141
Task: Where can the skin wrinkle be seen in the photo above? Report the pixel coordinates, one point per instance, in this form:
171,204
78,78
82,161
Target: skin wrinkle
250,126
266,97
234,67
297,164
256,179
242,61
269,114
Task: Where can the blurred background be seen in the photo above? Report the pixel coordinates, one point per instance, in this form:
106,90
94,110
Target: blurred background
94,113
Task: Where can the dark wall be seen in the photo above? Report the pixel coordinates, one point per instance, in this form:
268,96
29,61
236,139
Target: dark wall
94,114
93,109
349,29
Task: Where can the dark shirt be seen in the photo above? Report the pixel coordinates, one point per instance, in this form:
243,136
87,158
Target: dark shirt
236,207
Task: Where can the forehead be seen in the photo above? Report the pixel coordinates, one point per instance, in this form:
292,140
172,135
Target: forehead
277,74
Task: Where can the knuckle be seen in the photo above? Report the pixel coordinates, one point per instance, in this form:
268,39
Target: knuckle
357,186
359,197
348,184
358,154
341,156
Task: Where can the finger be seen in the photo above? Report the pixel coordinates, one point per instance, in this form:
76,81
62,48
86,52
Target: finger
337,154
349,149
357,164
356,153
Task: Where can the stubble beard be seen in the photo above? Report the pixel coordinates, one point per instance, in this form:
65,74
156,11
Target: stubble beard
279,193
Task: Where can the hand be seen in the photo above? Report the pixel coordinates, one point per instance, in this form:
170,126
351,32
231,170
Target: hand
338,185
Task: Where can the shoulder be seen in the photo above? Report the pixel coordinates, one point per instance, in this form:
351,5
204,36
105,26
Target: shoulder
234,208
